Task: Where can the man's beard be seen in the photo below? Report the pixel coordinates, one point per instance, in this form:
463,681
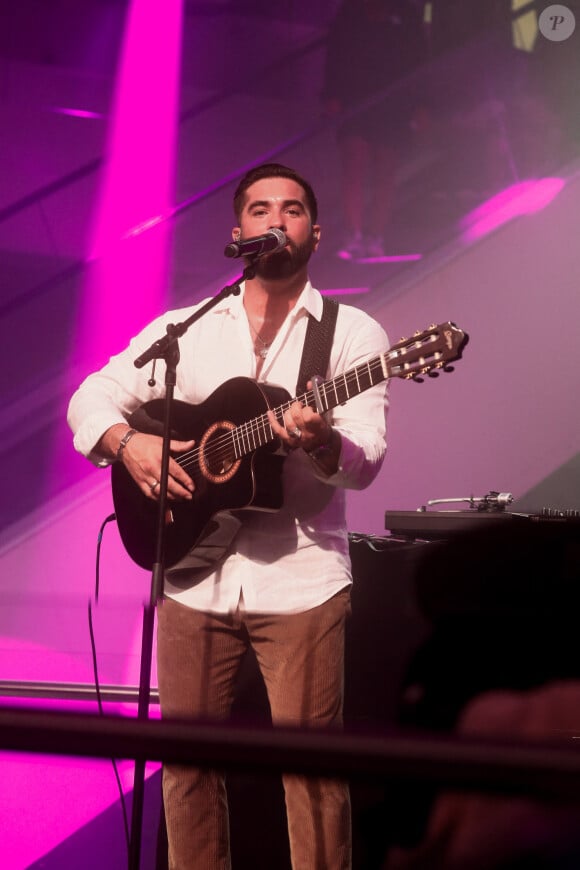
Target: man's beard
285,263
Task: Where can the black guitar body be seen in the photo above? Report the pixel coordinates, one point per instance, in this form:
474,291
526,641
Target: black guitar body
223,482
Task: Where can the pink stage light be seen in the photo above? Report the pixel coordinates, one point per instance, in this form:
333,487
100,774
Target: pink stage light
35,787
385,258
527,197
127,265
127,271
77,113
126,282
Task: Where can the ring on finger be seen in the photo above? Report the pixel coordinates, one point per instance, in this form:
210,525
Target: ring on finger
153,486
297,433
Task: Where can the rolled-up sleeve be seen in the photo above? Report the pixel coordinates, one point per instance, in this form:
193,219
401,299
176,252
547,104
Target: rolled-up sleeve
110,395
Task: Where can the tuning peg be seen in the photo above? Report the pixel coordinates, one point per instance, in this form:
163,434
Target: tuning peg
417,378
433,373
448,368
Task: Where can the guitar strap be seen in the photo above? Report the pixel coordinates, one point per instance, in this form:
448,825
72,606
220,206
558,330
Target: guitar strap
317,344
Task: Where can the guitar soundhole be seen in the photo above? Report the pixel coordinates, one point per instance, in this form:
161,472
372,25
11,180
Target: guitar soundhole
217,460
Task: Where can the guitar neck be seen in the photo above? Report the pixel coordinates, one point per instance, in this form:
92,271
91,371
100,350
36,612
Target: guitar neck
337,391
426,352
343,387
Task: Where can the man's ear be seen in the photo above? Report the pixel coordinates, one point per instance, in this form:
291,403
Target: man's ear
236,234
315,236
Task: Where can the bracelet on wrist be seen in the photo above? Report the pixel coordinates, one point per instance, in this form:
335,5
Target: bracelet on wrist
123,443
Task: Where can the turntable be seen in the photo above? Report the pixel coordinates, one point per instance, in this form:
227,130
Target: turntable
483,512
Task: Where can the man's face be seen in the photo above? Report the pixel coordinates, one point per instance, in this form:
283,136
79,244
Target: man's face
279,203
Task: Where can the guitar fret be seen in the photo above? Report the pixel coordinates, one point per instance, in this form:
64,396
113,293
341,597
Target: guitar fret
327,389
340,389
262,431
238,447
243,441
251,444
346,387
253,430
384,366
341,397
247,437
369,374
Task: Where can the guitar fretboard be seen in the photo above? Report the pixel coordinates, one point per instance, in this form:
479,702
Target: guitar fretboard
337,391
426,352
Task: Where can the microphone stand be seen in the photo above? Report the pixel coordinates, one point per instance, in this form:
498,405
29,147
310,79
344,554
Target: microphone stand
165,348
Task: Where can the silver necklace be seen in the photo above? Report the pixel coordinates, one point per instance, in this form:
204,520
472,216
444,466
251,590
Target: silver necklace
264,347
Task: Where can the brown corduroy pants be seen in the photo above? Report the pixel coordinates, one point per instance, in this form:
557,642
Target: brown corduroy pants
301,659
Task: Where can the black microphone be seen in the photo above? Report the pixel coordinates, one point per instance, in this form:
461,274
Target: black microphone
271,241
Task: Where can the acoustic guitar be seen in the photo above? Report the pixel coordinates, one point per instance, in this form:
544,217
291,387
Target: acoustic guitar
233,463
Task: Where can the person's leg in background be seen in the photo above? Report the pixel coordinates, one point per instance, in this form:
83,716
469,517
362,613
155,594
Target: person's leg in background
382,189
354,152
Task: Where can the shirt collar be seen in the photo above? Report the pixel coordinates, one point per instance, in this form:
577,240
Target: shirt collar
309,301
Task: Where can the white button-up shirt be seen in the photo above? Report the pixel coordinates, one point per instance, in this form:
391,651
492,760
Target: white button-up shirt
295,558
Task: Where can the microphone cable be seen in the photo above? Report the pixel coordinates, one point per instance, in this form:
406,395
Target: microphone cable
109,519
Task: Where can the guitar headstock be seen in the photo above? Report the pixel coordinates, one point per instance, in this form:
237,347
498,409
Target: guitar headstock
427,352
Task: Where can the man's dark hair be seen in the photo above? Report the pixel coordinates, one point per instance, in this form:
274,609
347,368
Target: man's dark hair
274,170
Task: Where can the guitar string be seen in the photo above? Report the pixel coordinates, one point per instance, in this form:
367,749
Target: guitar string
258,424
261,423
253,427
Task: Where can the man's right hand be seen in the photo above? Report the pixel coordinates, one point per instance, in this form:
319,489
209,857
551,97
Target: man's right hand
141,457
